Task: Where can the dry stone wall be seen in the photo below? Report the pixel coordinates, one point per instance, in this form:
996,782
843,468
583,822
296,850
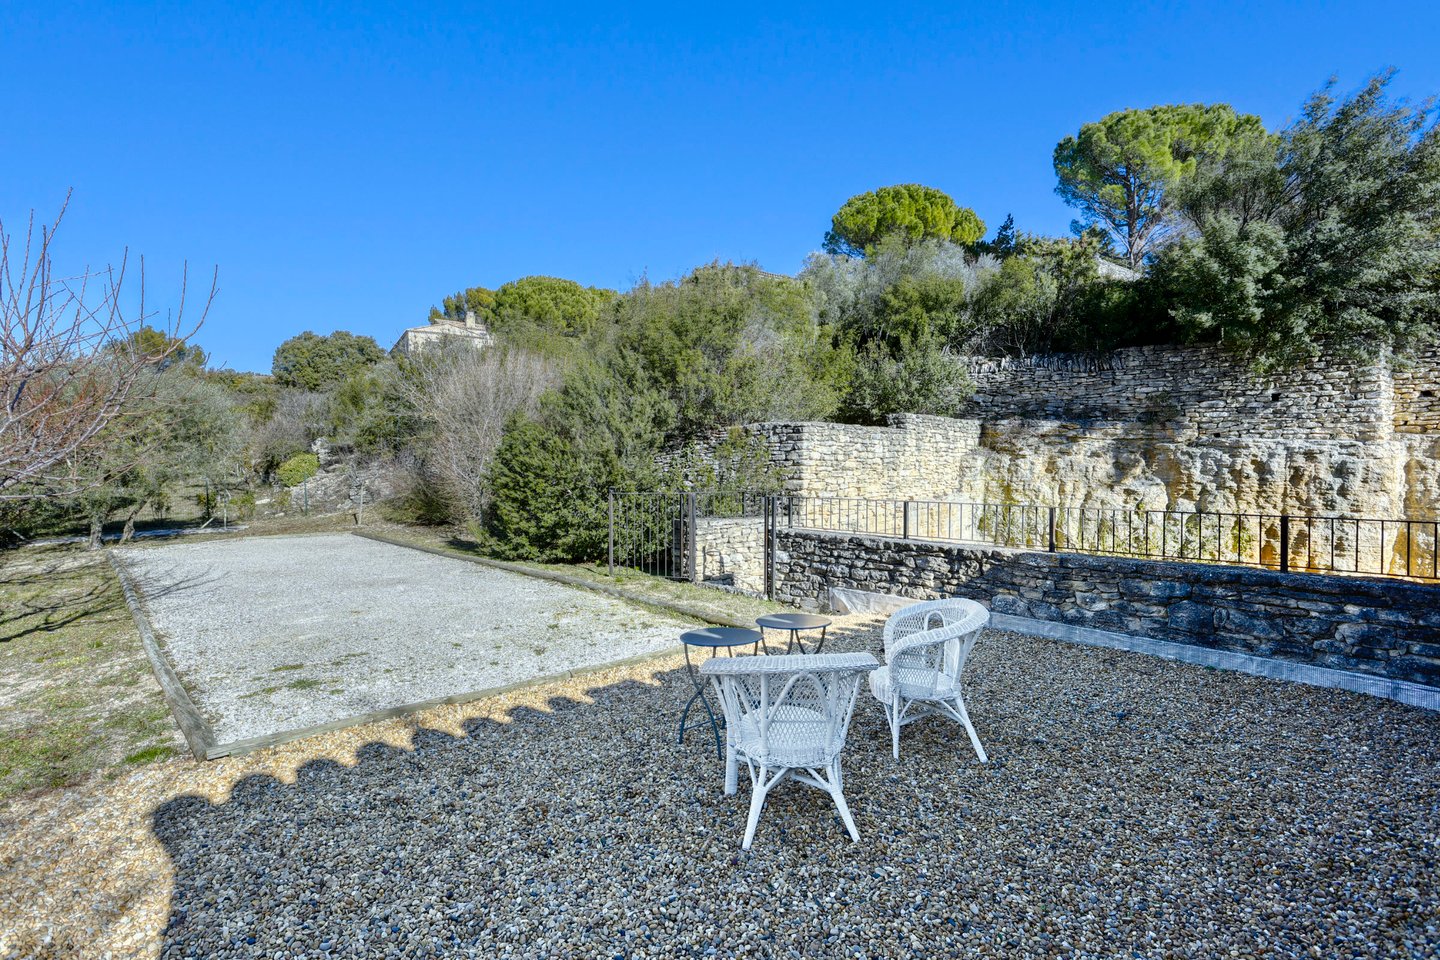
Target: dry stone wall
1177,428
1417,394
730,552
1196,390
1386,628
914,456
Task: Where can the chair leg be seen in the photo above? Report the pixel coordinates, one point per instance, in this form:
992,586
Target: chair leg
970,729
893,712
757,803
837,791
732,769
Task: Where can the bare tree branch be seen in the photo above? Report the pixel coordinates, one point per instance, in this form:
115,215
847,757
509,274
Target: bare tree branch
69,360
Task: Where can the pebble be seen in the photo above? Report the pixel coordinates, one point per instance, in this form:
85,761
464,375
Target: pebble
1225,815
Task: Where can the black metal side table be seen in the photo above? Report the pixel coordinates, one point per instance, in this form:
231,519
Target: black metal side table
795,623
716,639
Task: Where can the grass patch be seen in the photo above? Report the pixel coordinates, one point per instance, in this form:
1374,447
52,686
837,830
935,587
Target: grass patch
288,666
79,694
149,755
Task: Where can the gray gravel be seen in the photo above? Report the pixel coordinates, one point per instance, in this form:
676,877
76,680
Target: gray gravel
1134,807
280,633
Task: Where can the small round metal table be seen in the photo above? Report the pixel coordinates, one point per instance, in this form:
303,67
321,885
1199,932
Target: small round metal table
795,623
716,639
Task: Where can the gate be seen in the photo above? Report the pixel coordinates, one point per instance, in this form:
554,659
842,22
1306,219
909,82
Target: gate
655,533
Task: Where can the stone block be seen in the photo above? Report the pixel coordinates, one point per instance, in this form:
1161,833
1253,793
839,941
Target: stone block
1367,634
1191,617
1233,621
1157,589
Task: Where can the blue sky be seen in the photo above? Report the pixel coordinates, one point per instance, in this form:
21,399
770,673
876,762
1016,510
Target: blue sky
346,165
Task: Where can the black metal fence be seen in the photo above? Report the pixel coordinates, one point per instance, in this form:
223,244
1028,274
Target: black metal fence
656,532
1288,542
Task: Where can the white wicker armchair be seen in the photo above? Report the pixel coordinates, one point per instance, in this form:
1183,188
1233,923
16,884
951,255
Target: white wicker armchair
787,716
926,645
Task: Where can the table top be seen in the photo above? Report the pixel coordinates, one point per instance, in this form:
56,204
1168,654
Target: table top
793,621
721,637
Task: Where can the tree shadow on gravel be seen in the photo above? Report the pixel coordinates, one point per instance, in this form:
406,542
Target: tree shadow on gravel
1113,819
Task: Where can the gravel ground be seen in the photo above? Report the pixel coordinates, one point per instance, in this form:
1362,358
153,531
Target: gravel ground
1134,807
271,634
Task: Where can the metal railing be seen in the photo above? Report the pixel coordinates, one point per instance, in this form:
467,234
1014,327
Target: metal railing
655,532
1313,544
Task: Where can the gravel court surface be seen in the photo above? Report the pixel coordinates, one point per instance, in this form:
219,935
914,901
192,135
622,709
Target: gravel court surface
273,634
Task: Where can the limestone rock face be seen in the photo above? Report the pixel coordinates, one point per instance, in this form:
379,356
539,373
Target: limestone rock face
1130,465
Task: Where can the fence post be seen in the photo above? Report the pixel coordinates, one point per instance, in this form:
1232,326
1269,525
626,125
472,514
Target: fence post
692,568
1052,530
610,540
1284,542
905,524
772,536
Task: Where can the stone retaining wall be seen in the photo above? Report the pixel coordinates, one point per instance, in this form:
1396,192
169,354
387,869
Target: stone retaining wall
913,456
1202,389
1417,394
1386,628
731,552
1195,387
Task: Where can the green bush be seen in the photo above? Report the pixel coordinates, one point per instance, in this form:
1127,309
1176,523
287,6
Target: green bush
550,474
920,379
298,469
313,362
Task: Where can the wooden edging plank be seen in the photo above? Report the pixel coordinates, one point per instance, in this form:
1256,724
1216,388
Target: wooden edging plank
197,733
695,613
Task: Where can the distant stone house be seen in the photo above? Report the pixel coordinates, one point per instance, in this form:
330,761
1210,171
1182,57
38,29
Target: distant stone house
1110,270
417,340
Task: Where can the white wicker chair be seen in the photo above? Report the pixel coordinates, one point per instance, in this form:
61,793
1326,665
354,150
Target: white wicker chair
926,645
787,716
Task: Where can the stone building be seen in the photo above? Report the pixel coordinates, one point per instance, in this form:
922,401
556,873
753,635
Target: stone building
417,340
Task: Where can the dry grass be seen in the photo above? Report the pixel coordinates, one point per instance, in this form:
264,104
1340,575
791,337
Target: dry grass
77,695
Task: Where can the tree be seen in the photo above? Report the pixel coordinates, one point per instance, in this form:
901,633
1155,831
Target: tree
548,480
1328,241
479,301
899,291
167,349
69,361
314,362
917,377
729,344
1015,309
1121,170
464,398
179,429
551,303
1004,244
910,211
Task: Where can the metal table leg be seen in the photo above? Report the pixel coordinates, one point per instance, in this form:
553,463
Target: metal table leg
699,694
